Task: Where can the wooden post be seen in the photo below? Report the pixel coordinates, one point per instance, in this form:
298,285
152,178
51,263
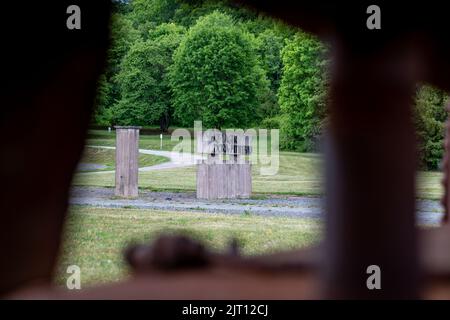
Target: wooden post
445,200
127,161
224,180
221,178
370,177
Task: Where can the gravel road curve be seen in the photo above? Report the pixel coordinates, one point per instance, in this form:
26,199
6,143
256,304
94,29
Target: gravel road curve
429,212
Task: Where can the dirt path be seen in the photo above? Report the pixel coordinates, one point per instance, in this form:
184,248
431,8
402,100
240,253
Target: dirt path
177,160
429,212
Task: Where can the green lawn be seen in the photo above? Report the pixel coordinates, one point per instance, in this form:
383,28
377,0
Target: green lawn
429,185
105,138
299,173
95,237
107,157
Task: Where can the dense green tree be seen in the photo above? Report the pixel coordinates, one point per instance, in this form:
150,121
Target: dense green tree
429,117
147,14
234,68
216,77
145,93
121,6
123,35
190,11
103,101
269,44
303,92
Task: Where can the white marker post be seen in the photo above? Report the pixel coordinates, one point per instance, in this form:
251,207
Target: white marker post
160,137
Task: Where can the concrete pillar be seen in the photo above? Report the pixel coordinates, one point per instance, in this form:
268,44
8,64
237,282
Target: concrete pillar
127,161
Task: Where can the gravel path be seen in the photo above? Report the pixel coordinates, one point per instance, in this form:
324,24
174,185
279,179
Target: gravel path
429,211
177,160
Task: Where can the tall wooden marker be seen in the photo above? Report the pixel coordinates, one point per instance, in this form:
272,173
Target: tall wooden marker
225,174
127,161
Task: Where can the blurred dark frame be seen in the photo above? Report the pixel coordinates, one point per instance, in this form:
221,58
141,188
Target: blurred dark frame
50,76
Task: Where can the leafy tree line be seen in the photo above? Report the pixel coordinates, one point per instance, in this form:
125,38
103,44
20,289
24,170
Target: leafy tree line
172,62
429,117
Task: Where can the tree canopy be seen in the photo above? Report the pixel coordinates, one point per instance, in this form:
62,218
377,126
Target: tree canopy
143,78
303,91
430,116
216,77
172,62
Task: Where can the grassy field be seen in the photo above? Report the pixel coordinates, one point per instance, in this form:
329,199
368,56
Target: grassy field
299,173
95,237
105,138
107,157
429,185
